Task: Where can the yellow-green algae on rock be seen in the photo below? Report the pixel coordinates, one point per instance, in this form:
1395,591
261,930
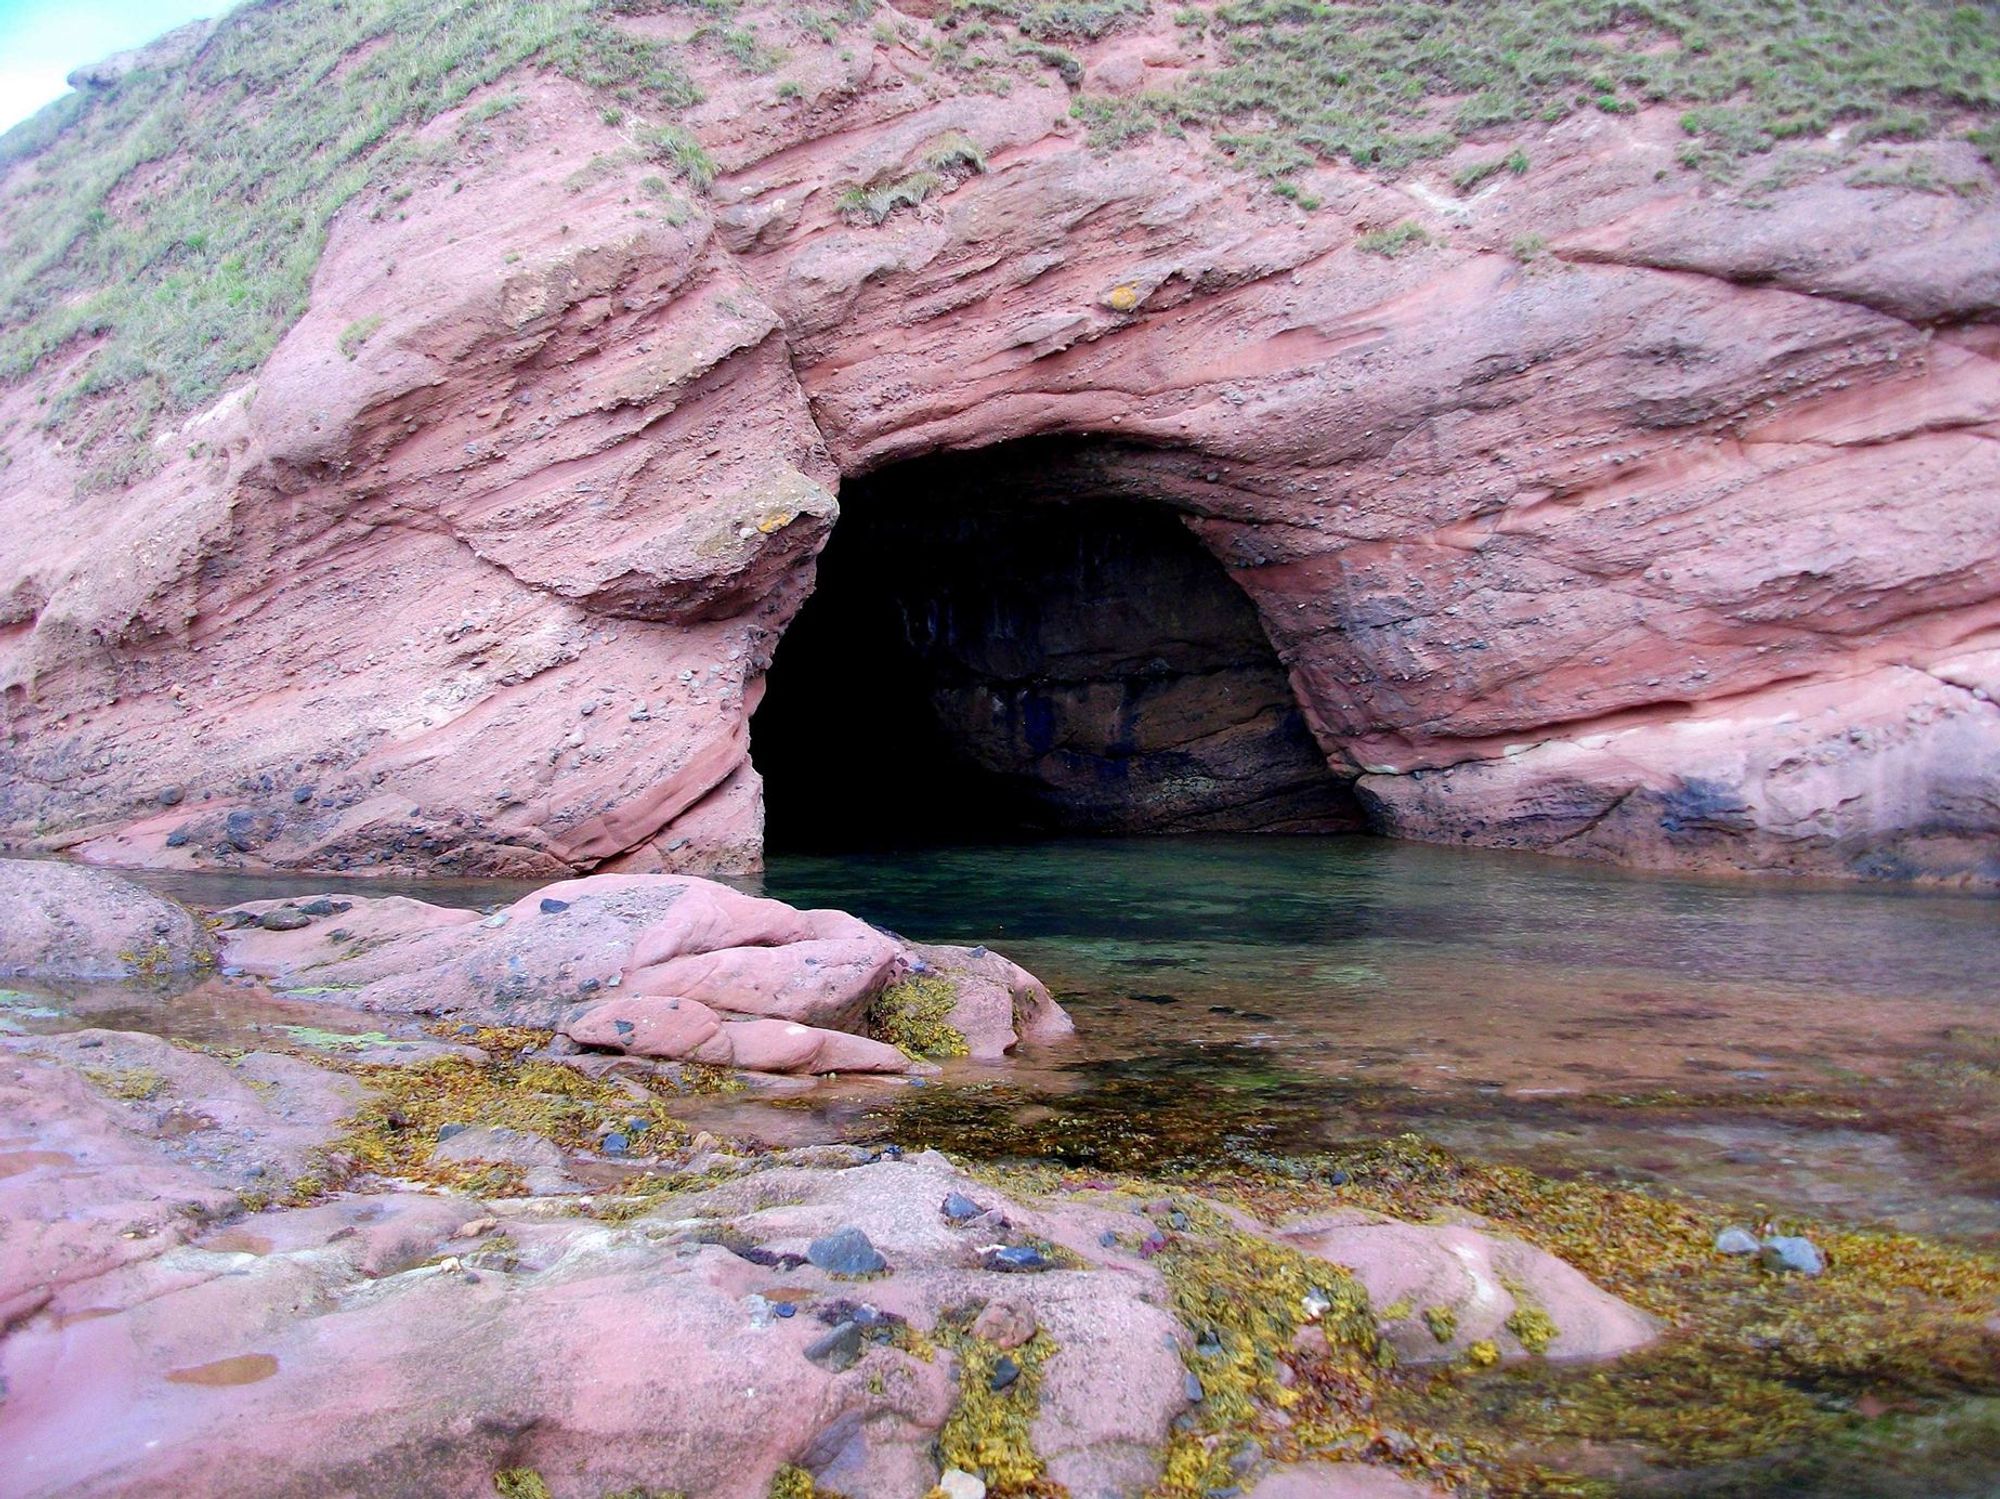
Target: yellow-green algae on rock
1762,1371
395,1129
914,1016
989,1431
1762,1379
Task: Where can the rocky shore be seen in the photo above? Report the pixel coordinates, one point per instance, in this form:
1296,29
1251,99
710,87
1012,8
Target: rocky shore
478,1252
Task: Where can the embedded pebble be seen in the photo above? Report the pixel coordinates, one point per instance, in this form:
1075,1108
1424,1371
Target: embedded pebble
846,1251
1015,1259
1005,1372
1005,1324
838,1349
958,1208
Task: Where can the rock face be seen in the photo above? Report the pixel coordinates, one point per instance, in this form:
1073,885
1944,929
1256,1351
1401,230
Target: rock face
660,966
62,922
1631,516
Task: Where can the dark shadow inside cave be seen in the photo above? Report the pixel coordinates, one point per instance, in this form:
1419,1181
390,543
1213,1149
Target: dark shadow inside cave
998,649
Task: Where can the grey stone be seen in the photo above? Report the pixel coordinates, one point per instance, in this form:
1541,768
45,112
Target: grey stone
958,1208
838,1349
846,1251
1801,1256
1733,1240
284,919
1015,1260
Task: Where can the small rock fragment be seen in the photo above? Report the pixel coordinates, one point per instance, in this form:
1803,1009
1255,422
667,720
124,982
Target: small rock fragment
846,1251
1191,1387
284,919
551,906
1013,1259
958,1208
1005,1324
956,1483
1786,1253
1736,1241
1005,1372
838,1349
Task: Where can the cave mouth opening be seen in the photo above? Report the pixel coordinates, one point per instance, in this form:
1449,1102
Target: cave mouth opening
998,648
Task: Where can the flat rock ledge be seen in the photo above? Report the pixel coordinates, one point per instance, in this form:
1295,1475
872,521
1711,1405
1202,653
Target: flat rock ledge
724,1330
659,966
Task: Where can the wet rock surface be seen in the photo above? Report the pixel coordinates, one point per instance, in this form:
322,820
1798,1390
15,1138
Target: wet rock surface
225,1336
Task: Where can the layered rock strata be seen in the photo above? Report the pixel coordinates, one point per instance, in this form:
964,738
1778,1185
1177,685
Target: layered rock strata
1620,514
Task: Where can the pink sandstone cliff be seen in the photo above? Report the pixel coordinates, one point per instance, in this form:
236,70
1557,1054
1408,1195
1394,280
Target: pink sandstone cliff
1677,544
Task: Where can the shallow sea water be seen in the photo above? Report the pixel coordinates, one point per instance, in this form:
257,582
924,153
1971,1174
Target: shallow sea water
1804,1047
1813,1048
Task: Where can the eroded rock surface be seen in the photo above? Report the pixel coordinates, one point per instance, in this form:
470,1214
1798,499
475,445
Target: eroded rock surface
1631,516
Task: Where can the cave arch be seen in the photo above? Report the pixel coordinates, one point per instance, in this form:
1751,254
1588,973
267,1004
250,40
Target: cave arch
1004,644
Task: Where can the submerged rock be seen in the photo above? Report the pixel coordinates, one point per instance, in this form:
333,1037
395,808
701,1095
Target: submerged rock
1455,1288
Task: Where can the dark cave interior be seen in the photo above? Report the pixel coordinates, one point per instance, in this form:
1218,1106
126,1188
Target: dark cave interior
996,649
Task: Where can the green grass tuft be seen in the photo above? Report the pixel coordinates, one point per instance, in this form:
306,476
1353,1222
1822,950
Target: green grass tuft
1389,243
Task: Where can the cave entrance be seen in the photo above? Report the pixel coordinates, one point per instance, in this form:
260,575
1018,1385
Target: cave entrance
994,651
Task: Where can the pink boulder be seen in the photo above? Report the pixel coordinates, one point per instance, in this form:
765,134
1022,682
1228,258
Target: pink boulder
1494,1289
645,1026
60,921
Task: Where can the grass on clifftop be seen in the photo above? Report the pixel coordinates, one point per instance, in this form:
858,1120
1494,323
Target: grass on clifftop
169,226
161,234
1388,84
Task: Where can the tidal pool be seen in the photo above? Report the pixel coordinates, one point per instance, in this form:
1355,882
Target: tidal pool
1791,1046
